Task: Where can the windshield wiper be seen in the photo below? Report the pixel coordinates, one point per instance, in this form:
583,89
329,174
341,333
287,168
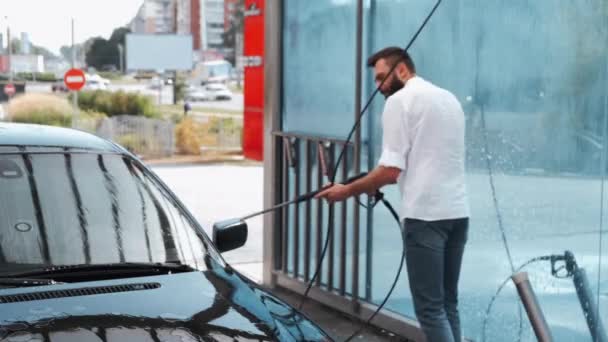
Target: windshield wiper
129,267
26,282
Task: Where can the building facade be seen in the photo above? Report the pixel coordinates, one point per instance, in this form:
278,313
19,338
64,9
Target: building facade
212,24
188,20
154,16
203,19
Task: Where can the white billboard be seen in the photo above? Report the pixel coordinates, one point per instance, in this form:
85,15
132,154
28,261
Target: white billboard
165,52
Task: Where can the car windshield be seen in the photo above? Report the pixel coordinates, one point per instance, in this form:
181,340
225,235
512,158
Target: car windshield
88,208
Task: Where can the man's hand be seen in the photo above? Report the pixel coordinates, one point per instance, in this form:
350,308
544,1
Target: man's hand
335,193
373,181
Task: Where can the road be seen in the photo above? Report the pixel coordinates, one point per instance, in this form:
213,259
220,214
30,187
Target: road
160,96
219,192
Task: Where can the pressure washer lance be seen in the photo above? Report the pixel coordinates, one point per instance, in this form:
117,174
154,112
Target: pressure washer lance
226,228
301,198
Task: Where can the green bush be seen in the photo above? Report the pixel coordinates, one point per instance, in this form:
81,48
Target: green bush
40,76
180,88
44,118
40,109
45,109
117,103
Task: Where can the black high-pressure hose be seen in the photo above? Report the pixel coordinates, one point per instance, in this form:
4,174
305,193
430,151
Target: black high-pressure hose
333,178
504,283
387,204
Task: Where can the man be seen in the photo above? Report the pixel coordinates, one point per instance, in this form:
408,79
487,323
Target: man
423,152
187,107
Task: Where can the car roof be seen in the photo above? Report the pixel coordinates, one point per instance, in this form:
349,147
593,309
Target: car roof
216,61
16,134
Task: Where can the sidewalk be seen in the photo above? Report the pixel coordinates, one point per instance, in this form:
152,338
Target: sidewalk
336,324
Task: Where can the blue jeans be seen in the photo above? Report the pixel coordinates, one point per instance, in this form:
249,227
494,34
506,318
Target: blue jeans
434,252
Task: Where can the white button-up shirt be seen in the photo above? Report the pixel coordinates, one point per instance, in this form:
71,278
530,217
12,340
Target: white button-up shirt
423,135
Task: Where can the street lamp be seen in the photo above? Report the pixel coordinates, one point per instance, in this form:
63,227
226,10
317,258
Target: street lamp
10,50
120,58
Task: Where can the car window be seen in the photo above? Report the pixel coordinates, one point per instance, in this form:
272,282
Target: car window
64,209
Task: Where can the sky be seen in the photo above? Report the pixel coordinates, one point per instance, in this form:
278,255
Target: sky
48,22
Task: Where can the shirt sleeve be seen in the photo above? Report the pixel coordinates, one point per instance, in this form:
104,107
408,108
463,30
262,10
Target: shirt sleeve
395,136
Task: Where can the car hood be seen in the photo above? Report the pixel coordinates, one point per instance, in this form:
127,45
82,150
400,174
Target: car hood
210,305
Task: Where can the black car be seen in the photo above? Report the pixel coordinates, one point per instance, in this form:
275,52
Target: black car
59,86
94,247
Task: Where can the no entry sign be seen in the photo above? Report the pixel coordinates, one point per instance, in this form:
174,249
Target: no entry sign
9,89
74,79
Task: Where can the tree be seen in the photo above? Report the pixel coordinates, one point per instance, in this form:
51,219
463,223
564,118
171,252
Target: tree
118,35
100,54
34,49
103,53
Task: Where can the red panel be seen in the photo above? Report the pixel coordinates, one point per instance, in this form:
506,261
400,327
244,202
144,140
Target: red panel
253,142
4,63
253,126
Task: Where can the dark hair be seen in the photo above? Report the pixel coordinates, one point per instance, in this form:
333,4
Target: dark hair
393,54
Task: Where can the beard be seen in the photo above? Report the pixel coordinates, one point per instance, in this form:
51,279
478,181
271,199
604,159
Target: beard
395,85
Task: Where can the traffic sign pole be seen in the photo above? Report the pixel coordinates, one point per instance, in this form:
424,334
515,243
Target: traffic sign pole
74,80
75,104
74,91
75,97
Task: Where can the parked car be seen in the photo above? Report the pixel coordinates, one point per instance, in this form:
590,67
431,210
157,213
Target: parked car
209,92
96,82
95,85
95,247
214,71
59,86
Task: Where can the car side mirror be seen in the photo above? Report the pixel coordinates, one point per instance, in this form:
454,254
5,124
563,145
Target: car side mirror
230,234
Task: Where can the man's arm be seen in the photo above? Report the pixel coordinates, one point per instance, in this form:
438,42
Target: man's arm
373,181
395,146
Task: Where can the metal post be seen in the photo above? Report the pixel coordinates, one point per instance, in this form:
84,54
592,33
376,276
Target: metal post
238,57
120,58
273,11
357,153
10,52
10,62
535,313
175,87
585,297
75,93
160,86
369,248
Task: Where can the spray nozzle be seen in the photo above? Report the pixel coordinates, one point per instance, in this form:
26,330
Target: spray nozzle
569,265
